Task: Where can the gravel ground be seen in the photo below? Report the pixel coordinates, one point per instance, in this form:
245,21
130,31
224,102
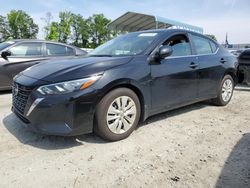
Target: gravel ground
197,146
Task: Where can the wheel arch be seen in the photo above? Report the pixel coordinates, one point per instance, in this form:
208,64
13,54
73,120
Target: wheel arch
132,85
233,74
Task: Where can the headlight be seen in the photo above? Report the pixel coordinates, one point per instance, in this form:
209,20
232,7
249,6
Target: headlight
67,87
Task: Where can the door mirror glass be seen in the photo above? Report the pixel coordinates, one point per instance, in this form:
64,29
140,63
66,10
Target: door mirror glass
165,51
5,54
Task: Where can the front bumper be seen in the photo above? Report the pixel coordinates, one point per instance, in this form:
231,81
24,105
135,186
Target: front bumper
65,115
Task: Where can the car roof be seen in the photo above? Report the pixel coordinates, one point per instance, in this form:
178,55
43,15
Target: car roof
38,40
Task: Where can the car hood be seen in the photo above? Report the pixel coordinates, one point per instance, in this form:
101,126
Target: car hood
70,69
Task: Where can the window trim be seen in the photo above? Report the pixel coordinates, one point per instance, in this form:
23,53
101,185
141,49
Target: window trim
209,41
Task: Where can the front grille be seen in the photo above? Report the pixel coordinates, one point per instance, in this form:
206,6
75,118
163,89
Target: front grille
20,95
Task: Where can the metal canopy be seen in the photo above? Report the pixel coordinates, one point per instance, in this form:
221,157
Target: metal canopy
132,21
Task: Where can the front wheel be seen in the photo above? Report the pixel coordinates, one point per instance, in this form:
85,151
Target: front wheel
225,92
117,114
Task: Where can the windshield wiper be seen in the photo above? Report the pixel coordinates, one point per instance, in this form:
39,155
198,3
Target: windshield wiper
100,55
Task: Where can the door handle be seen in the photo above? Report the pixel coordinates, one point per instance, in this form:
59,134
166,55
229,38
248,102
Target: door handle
222,60
193,65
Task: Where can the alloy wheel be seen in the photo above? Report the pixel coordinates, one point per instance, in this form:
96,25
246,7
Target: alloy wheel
227,90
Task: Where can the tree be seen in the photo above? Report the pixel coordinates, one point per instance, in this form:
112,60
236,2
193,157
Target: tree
47,19
21,25
53,32
4,33
65,26
98,30
211,36
80,31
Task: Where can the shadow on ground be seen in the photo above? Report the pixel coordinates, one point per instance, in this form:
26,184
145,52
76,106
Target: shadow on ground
236,170
14,126
242,87
47,142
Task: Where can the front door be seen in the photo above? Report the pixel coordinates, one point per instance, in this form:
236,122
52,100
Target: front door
175,78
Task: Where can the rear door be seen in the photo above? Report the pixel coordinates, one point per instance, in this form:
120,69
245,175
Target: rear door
175,78
210,65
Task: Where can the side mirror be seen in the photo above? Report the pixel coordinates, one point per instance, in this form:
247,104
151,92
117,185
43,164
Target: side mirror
5,54
165,51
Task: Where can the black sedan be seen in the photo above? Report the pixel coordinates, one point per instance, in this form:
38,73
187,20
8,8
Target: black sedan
122,82
17,55
244,67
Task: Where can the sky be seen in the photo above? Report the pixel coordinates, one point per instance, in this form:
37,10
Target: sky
217,17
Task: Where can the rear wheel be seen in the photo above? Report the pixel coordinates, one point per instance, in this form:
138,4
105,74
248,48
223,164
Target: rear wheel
225,92
117,114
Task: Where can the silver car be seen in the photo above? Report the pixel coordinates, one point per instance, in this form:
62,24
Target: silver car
17,55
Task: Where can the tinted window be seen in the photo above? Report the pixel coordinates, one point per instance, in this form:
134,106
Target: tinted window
213,46
180,45
26,49
70,51
201,45
55,50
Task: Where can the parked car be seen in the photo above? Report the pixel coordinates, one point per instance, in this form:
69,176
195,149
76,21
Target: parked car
244,67
122,82
236,52
17,55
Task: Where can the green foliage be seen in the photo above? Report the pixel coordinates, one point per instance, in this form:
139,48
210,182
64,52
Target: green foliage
4,30
98,30
211,36
71,28
47,19
53,33
21,25
65,26
80,31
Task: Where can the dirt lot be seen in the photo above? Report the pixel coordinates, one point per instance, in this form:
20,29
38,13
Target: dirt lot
197,146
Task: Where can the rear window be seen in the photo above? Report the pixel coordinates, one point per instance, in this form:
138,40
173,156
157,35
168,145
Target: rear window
55,50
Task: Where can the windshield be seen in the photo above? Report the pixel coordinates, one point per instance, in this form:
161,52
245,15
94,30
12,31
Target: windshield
130,44
4,45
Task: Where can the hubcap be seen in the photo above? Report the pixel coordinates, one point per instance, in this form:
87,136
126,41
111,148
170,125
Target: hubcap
227,90
121,114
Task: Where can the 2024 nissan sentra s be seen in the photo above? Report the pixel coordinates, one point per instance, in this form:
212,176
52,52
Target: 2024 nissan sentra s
123,81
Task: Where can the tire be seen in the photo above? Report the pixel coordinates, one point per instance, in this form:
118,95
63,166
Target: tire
224,91
117,114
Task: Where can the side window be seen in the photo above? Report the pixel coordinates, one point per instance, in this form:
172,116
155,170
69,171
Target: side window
26,50
213,46
55,50
70,51
201,45
180,45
